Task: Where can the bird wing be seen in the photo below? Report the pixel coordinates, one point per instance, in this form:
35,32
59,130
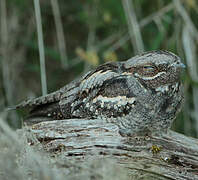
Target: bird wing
49,98
72,95
88,88
46,99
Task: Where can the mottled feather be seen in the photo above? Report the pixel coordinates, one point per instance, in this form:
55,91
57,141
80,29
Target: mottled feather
140,95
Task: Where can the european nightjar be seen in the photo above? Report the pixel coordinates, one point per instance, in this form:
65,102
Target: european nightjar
140,95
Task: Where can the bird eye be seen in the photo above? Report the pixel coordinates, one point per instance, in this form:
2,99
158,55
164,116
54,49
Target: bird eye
148,69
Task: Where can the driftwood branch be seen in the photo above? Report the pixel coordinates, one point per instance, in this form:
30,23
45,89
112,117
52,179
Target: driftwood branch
170,156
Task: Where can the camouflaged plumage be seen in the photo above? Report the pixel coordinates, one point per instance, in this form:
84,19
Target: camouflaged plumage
140,95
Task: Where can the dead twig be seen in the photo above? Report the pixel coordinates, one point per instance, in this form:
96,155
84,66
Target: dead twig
41,46
60,33
181,10
134,28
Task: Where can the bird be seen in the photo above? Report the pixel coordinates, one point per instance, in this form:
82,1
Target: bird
140,95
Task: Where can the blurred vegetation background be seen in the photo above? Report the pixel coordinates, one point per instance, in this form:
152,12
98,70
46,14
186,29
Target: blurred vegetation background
45,44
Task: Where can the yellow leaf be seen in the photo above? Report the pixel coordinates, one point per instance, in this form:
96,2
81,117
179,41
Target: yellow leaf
81,53
191,3
90,56
107,17
110,56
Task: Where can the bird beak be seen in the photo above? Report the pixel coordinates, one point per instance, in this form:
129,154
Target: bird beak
183,66
180,65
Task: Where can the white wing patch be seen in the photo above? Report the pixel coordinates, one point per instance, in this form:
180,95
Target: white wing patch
96,79
115,101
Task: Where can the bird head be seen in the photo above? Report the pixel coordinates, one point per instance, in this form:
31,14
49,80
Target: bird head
155,68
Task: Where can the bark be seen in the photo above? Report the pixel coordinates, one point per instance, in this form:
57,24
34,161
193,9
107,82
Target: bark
169,156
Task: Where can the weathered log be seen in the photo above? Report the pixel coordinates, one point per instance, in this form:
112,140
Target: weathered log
169,156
